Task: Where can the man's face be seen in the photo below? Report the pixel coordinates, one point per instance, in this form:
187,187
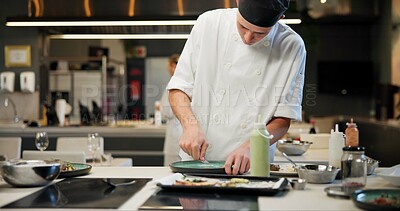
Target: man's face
250,33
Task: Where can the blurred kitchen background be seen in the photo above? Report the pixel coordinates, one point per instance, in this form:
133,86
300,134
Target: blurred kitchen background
352,65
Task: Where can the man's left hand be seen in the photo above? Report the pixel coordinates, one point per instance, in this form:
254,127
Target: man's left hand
238,162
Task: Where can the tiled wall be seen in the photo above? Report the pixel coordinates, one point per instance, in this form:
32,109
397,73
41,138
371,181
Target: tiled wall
27,105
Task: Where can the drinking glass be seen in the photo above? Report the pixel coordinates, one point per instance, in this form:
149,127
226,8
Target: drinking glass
94,145
41,141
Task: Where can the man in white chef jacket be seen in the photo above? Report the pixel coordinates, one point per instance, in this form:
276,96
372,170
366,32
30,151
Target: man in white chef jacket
237,63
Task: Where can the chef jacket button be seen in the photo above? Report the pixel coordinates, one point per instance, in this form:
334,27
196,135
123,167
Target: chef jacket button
266,43
258,72
228,66
243,125
235,37
216,119
222,91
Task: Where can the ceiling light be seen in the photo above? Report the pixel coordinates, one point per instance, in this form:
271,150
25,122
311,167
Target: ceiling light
119,23
119,36
102,23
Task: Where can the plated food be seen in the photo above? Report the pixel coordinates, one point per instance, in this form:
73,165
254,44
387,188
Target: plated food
282,169
74,169
232,184
378,199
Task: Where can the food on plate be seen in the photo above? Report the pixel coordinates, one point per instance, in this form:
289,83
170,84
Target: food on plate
195,182
274,167
288,168
68,167
386,200
232,182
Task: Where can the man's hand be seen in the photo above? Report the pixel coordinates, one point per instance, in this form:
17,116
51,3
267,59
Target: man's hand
193,142
238,162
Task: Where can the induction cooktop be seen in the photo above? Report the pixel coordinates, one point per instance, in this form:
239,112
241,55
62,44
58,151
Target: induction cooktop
173,200
83,193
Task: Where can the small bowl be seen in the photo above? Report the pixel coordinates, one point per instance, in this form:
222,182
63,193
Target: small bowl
298,184
293,147
371,165
30,173
319,174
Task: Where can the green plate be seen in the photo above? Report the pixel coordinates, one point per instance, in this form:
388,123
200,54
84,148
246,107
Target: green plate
196,166
364,199
81,169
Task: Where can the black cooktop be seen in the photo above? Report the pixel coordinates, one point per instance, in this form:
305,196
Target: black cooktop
174,200
82,193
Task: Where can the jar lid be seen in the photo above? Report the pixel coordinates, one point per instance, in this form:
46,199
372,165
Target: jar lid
351,148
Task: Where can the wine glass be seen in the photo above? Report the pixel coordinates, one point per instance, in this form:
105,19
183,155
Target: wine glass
41,141
93,145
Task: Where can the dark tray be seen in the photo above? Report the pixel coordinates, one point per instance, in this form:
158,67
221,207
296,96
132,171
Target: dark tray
232,190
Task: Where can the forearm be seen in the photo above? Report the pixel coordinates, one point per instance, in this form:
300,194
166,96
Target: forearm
278,127
180,105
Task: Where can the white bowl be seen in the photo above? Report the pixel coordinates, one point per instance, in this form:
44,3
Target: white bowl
391,175
319,140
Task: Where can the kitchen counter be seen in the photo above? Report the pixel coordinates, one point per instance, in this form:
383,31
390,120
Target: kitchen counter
139,140
292,200
105,131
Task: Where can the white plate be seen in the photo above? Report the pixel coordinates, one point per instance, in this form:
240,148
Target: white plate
391,175
286,170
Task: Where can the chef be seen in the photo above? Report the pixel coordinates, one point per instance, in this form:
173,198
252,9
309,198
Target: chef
237,63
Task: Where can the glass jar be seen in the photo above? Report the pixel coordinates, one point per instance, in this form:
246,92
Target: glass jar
354,168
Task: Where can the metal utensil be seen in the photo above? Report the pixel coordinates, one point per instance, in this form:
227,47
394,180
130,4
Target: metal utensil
290,160
108,181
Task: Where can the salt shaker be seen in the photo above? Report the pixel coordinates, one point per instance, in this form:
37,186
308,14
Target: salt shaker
354,168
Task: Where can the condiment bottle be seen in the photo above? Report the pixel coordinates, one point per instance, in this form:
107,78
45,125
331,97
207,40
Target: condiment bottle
157,113
354,168
312,129
351,134
336,144
259,150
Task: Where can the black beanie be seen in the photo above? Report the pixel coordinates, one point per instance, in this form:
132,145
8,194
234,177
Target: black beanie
262,13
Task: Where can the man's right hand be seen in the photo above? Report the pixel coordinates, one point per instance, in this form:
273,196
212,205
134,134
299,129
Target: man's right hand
193,142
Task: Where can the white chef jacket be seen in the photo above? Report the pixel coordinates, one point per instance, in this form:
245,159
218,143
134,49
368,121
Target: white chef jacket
230,83
172,133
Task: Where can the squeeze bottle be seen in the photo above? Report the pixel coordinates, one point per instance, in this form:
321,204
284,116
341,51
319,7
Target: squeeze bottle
259,150
336,144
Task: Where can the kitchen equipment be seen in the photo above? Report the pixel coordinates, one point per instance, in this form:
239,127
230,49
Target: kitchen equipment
7,81
168,200
320,174
62,109
27,81
354,168
196,166
227,184
290,160
293,147
298,184
371,165
30,173
81,193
